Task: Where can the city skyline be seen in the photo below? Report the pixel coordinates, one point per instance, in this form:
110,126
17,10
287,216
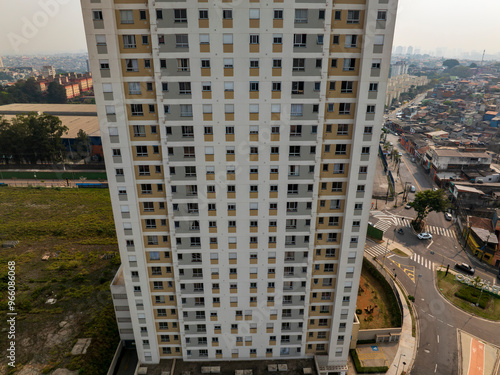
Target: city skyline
38,30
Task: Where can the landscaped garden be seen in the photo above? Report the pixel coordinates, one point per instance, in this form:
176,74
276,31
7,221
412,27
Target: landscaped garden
466,297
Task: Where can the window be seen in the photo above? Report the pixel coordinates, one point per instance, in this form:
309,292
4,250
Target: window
351,41
129,41
228,86
338,15
186,110
254,38
254,14
353,16
254,86
347,87
335,39
183,65
294,151
341,149
299,40
253,108
296,110
180,15
343,129
298,65
321,14
254,63
126,16
319,38
104,64
373,86
382,15
277,38
278,14
228,108
344,108
227,38
349,64
370,109
300,15
228,63
330,107
378,40
159,14
275,108
227,14
363,169
203,14
276,86
333,63
365,150
100,40
181,40
295,130
136,110
298,87
339,168
376,63
204,38
97,15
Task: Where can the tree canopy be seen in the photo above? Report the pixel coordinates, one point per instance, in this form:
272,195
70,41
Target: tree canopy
56,93
427,201
31,139
450,63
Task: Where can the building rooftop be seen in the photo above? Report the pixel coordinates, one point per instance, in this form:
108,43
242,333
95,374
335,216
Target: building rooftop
468,189
51,109
485,235
453,152
73,116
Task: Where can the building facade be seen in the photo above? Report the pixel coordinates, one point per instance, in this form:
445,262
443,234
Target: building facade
240,141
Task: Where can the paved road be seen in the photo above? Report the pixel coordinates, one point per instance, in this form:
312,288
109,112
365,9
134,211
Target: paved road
438,320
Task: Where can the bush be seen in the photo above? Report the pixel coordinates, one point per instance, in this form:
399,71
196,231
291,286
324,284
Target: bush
411,298
471,295
392,305
359,311
365,370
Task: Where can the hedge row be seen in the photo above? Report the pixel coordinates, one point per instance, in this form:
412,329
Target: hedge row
471,294
392,304
365,370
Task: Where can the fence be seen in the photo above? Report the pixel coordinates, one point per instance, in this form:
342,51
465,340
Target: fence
374,232
382,156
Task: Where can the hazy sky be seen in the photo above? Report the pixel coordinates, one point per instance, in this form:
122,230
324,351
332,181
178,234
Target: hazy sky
29,26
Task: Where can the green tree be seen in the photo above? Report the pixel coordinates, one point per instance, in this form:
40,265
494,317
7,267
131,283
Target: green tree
33,138
473,65
82,144
450,63
56,93
460,71
427,201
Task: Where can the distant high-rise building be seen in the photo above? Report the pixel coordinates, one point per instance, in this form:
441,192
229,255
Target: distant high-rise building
399,50
409,51
48,71
417,51
1,62
241,141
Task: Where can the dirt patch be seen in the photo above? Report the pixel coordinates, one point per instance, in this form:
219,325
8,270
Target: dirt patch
372,303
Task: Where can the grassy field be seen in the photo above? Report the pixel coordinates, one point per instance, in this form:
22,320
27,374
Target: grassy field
400,253
75,228
449,286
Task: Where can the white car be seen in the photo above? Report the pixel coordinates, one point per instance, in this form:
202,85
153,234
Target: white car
448,216
424,236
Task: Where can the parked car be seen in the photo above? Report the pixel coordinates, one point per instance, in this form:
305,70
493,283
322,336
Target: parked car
413,189
465,267
424,236
435,189
447,216
400,154
407,206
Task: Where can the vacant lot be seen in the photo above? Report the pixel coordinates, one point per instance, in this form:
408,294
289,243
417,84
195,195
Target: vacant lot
373,302
74,230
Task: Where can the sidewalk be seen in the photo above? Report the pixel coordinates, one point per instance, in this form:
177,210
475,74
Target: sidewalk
407,347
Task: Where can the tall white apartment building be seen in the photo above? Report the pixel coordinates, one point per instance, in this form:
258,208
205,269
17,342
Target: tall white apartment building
240,140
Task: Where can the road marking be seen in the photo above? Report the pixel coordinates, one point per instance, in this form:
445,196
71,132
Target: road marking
435,368
438,338
449,325
430,244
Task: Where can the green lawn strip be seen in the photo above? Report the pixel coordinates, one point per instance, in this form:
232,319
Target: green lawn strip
53,175
365,370
465,297
400,253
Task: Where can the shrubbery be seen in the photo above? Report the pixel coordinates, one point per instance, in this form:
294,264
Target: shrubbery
471,295
365,370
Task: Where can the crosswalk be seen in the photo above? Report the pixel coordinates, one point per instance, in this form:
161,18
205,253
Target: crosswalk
422,261
379,251
387,220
